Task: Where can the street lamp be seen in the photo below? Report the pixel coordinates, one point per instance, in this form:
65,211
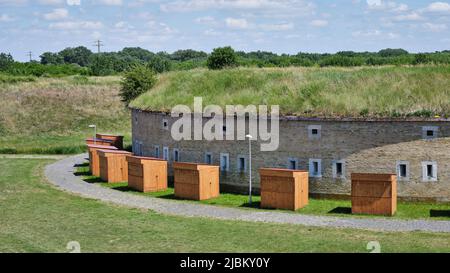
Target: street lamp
250,137
95,132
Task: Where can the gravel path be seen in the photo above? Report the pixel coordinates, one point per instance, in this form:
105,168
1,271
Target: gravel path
61,174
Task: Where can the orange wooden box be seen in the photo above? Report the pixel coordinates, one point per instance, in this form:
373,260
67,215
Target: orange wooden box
147,174
113,165
284,189
94,161
374,194
196,181
99,141
117,141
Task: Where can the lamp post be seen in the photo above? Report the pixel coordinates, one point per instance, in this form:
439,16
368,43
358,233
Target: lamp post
95,132
250,137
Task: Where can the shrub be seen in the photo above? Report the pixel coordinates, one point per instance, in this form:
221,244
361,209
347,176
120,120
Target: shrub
136,81
222,57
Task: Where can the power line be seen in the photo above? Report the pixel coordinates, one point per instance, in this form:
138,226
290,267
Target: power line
30,54
98,44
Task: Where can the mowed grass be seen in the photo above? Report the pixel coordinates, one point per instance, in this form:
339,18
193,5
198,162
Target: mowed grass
325,207
52,115
39,218
332,92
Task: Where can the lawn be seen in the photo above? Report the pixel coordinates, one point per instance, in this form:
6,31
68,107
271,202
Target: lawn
390,91
329,207
39,218
52,115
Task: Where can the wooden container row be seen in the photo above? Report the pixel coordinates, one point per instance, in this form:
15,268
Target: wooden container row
280,188
106,140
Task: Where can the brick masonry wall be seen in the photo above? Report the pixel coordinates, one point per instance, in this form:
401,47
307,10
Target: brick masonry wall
364,146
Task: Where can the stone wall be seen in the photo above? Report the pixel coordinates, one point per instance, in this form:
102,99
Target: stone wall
362,146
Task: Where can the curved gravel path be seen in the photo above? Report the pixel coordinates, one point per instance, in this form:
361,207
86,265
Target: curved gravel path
61,174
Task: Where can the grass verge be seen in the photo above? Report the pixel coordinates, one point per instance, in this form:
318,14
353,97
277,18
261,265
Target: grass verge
39,218
325,207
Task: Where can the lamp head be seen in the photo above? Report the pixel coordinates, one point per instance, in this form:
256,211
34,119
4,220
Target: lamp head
249,136
92,126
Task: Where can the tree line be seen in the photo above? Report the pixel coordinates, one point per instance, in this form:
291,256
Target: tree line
80,60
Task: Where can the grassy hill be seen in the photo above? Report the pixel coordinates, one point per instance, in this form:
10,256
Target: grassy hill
51,115
352,92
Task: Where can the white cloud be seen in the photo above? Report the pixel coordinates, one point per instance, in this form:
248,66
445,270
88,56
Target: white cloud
277,27
438,7
435,27
267,8
319,23
238,23
73,2
110,2
77,25
207,20
56,14
383,5
50,2
414,16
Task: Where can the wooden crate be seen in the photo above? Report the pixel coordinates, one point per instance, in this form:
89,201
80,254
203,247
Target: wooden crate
284,189
117,141
196,181
147,174
94,161
99,141
113,165
374,194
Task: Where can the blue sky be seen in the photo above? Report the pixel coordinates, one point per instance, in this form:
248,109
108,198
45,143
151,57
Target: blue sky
282,26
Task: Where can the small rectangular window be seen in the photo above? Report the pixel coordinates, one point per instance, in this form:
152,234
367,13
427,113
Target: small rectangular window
429,171
292,163
403,170
165,124
176,155
314,132
430,132
338,169
166,153
315,168
156,153
224,162
208,158
242,166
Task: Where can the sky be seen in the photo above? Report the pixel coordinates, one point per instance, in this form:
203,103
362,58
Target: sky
281,26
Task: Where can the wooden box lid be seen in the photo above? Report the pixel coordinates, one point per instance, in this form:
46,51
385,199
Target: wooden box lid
281,172
101,147
193,166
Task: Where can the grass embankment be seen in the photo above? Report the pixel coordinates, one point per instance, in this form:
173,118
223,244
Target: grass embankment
52,115
351,92
329,207
39,218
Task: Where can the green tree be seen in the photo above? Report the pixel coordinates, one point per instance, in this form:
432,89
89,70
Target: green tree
188,54
389,52
6,60
139,79
222,57
51,58
159,64
78,55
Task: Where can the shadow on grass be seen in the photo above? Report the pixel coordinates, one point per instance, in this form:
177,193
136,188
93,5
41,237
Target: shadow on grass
82,165
341,210
439,213
93,180
253,205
